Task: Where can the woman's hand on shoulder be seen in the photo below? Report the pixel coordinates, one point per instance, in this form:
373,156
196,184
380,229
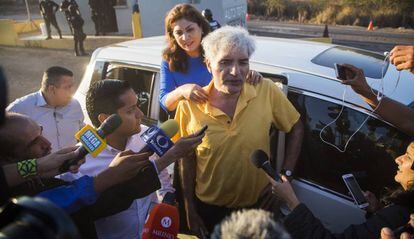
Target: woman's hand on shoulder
254,77
194,93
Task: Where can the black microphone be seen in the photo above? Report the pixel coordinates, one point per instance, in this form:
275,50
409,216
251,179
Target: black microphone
260,159
107,127
157,139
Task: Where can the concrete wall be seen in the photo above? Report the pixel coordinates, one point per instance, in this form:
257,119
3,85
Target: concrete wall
153,12
85,11
225,11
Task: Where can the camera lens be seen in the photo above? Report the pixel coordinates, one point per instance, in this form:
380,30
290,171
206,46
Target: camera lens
35,218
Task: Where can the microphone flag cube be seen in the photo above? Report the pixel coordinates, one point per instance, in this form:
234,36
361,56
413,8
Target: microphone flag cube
162,222
90,139
157,140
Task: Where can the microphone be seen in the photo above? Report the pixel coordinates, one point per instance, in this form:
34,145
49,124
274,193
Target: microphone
93,141
163,220
260,159
158,139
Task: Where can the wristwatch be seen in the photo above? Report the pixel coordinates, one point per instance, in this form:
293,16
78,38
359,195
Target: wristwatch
288,173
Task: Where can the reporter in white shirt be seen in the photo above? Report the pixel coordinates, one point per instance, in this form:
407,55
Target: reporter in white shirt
53,107
104,98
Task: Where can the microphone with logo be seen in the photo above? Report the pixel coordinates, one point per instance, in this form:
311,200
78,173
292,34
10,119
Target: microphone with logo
163,220
260,159
93,141
158,139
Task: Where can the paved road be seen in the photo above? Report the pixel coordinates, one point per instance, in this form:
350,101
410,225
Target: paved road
379,40
24,67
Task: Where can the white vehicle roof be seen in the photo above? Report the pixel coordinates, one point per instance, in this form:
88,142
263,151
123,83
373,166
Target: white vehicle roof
292,58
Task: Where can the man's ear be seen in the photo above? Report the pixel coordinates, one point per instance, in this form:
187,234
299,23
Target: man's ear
208,64
50,89
102,117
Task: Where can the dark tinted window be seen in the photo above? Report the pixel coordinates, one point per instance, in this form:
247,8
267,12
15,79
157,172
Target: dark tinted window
140,80
371,63
370,154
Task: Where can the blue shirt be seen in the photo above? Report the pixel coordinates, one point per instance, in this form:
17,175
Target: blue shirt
74,196
197,73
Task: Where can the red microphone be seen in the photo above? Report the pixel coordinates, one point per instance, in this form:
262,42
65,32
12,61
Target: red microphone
163,220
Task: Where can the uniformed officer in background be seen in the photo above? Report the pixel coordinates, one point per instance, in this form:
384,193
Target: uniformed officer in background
97,16
48,9
76,22
208,15
64,7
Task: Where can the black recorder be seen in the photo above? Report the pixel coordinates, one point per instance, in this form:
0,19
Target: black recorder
356,192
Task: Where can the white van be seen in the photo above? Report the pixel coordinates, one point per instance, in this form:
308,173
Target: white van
306,73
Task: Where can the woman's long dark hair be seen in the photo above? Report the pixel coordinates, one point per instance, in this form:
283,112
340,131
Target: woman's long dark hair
401,197
175,56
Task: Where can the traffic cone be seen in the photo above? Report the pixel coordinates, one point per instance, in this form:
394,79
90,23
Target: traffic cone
326,32
370,26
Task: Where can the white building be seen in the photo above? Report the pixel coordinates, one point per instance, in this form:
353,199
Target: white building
152,12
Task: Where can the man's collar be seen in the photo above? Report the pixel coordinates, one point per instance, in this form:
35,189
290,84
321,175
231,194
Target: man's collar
129,144
40,99
248,92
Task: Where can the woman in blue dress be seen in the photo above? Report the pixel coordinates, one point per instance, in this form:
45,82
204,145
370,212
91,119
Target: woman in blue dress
183,71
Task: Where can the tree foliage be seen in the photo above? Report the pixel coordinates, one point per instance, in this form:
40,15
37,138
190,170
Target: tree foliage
385,13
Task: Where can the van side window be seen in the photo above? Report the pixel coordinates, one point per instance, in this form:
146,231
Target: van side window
370,153
140,80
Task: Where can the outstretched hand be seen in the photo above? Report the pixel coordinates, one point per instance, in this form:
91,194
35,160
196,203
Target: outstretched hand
356,79
403,58
49,165
285,191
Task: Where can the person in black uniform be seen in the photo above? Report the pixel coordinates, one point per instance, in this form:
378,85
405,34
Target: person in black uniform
64,7
76,23
48,9
97,16
208,15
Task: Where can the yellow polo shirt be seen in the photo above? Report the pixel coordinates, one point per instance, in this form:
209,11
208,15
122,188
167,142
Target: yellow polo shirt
224,174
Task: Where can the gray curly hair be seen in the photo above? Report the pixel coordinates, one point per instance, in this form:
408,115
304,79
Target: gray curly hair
252,223
227,38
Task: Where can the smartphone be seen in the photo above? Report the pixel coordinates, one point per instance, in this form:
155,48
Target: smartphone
202,130
356,192
340,71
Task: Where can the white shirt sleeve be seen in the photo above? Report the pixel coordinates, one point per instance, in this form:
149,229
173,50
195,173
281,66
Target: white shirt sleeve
165,180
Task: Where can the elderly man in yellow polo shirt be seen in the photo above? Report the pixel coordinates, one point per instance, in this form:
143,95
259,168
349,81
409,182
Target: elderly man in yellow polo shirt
239,115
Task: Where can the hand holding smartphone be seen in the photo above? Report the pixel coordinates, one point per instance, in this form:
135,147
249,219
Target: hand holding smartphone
342,72
356,192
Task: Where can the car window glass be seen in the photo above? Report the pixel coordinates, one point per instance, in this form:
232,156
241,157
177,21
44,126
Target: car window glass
372,63
140,80
370,153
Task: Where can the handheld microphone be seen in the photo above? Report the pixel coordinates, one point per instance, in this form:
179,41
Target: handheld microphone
158,139
163,220
93,141
260,159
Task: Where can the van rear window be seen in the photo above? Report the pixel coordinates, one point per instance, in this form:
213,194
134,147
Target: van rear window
372,63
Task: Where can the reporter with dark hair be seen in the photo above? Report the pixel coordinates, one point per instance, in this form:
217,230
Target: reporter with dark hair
129,175
107,97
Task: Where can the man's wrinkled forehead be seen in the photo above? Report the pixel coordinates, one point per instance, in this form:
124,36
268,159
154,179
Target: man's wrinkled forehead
229,53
